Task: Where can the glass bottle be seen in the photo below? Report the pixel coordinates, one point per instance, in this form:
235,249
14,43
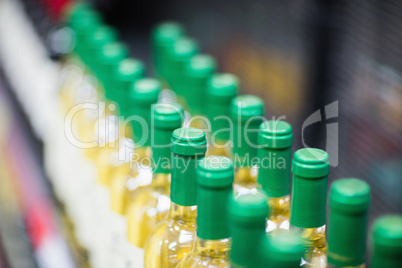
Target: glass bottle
247,226
247,116
150,204
174,238
310,169
275,140
196,77
282,250
220,93
386,242
215,177
131,171
349,203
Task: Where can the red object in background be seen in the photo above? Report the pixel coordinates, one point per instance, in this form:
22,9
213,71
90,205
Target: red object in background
56,7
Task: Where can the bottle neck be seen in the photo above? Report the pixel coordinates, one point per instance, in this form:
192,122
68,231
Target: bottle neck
274,171
160,180
315,244
217,249
185,214
246,242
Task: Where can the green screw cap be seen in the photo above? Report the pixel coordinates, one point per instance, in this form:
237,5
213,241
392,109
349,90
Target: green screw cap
188,146
109,59
199,72
95,42
387,242
215,176
127,72
179,57
310,169
275,139
163,38
189,141
246,114
165,119
284,250
349,202
247,214
221,90
143,93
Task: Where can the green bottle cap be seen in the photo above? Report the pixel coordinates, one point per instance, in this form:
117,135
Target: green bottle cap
275,139
349,202
188,146
310,169
143,93
179,57
127,72
220,93
96,40
199,72
283,250
387,242
246,113
247,215
163,38
215,176
109,59
75,8
166,118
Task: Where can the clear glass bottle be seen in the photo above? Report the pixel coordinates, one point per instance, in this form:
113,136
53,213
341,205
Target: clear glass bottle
282,250
150,204
220,93
174,238
349,203
310,169
215,177
275,139
247,115
386,242
247,226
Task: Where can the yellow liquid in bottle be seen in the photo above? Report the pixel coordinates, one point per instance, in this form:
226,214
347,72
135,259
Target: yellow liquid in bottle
148,206
173,239
220,148
279,212
245,181
316,247
208,253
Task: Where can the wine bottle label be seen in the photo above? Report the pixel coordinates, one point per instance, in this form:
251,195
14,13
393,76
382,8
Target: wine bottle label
135,257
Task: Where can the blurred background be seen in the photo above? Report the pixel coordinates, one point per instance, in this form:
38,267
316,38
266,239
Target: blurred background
300,56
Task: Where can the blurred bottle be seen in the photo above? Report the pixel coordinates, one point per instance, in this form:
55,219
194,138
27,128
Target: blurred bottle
174,238
178,58
310,169
197,77
387,242
349,203
163,39
215,177
247,226
150,204
220,93
283,250
246,115
275,140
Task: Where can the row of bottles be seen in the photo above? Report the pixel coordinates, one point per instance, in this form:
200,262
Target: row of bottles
179,171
